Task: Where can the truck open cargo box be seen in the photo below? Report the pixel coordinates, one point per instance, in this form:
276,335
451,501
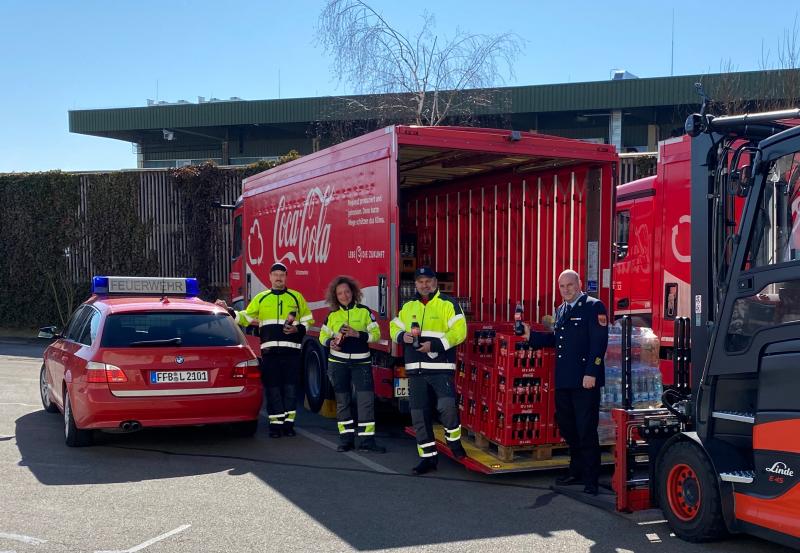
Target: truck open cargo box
498,214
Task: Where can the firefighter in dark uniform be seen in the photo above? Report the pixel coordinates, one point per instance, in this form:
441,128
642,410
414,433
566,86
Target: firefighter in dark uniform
347,331
283,317
431,366
580,338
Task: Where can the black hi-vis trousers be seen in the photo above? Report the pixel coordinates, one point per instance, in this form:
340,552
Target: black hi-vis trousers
279,373
577,415
420,388
345,376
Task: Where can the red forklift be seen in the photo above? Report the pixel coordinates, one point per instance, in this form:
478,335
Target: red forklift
723,455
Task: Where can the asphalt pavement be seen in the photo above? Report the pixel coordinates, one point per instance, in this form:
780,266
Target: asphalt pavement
200,490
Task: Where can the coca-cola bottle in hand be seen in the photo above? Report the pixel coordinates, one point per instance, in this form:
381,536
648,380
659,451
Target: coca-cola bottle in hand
415,331
519,328
340,335
289,322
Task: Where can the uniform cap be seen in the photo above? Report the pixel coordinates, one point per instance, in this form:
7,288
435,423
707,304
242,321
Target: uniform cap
278,267
424,271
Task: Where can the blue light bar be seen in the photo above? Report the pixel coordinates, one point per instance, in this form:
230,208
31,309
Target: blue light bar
192,287
145,286
100,285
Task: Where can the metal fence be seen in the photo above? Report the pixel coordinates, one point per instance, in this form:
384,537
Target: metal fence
161,204
636,166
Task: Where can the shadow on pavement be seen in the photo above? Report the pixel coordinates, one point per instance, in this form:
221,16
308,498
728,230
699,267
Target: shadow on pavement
367,509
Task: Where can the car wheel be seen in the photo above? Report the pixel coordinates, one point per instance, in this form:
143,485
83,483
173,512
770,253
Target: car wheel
688,493
244,429
318,387
74,436
44,392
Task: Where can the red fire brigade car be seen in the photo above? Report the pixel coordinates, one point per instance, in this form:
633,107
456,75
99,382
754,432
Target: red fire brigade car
146,352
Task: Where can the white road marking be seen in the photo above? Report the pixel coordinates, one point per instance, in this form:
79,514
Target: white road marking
20,538
22,404
150,542
648,522
653,538
354,456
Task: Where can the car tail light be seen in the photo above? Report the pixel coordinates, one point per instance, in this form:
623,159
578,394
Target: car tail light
103,373
247,369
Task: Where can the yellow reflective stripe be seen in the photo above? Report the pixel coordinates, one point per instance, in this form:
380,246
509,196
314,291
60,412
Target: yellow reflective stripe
368,430
438,366
445,343
326,328
372,325
343,427
398,323
342,355
453,435
306,318
431,334
454,319
281,344
290,415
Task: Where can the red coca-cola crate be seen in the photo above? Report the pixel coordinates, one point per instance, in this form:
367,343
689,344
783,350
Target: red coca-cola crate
530,427
486,381
481,341
523,393
469,414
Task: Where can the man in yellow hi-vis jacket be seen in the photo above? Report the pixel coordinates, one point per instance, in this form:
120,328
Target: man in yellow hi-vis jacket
348,330
430,327
283,317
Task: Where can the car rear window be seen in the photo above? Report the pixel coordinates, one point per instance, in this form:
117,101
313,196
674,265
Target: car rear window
125,330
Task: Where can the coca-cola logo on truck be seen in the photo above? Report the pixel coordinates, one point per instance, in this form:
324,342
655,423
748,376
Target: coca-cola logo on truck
301,233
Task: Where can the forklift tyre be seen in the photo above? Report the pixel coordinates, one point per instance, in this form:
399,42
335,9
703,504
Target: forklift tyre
688,493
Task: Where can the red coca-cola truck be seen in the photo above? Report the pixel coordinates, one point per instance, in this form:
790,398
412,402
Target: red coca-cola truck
497,213
652,245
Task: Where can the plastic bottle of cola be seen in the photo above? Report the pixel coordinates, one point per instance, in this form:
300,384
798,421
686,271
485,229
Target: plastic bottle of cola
290,320
519,329
415,331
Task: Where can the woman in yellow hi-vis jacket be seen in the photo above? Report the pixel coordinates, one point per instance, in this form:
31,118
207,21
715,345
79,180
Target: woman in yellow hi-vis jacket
348,330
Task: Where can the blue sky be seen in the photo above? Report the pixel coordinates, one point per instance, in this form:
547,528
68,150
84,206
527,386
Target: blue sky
63,55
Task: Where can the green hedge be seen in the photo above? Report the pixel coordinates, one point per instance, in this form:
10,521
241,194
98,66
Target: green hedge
43,227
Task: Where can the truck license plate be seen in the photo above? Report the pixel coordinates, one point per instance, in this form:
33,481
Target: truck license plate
400,387
173,377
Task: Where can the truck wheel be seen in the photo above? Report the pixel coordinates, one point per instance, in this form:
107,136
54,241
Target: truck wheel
315,365
688,493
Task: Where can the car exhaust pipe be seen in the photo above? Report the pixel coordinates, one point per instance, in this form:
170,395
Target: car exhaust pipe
130,426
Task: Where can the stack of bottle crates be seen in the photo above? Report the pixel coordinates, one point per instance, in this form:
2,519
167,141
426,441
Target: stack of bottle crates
504,387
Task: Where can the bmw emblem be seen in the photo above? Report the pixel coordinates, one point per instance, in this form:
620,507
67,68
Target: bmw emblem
179,359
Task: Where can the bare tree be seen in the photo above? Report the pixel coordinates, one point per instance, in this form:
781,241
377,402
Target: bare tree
779,87
425,78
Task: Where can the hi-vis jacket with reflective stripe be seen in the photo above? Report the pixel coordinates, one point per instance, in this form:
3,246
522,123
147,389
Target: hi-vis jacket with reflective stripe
442,324
358,317
270,309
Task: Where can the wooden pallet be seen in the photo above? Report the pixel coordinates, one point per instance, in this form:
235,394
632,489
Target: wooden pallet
509,454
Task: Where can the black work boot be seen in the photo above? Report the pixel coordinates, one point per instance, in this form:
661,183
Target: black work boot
458,450
288,430
369,445
428,464
274,431
345,446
